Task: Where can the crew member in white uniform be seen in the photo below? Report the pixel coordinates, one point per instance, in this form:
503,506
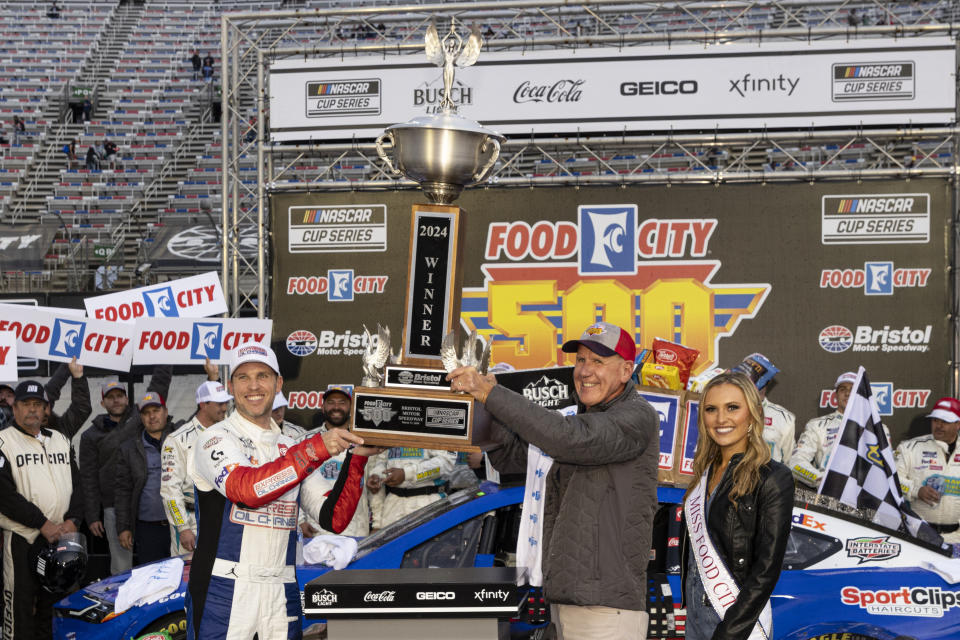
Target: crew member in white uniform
410,477
176,485
812,453
929,468
779,425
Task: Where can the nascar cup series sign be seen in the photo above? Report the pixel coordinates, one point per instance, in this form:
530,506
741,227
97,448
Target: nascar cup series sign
804,274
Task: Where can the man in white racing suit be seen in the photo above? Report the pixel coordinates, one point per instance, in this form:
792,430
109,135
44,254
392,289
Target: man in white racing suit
410,477
250,481
929,469
279,413
336,413
176,485
812,453
779,425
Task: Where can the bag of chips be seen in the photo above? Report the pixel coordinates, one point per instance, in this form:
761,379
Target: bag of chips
676,355
643,356
758,368
662,376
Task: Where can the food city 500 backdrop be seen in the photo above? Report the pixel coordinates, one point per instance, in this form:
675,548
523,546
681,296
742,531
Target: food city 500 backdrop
819,277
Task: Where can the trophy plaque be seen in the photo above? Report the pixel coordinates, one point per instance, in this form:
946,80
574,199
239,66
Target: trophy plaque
409,403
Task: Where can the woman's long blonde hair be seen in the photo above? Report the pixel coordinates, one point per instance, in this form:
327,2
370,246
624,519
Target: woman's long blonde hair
746,475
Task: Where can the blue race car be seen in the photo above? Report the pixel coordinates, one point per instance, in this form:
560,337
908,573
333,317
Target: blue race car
844,578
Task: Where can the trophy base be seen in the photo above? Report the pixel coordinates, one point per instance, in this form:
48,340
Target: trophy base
393,417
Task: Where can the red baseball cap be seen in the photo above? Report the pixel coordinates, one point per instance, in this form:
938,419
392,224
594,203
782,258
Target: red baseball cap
946,409
605,339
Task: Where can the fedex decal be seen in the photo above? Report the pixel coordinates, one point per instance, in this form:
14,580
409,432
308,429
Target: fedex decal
194,297
51,336
547,280
187,341
888,398
876,278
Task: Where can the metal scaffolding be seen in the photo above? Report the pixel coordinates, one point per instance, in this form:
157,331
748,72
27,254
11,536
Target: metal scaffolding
251,42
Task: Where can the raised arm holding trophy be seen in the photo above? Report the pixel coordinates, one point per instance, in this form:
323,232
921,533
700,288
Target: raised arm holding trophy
408,403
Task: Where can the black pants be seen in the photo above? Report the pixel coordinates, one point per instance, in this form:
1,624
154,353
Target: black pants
151,541
28,607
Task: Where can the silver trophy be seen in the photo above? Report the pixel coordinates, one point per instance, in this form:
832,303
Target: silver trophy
376,355
443,152
476,352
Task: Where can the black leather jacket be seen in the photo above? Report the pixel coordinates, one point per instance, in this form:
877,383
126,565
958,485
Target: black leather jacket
751,537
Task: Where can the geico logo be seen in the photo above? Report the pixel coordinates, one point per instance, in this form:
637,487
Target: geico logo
305,399
36,333
658,87
855,278
318,285
170,340
656,238
100,343
129,310
436,595
902,398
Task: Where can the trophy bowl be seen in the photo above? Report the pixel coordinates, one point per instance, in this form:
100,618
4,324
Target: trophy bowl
443,152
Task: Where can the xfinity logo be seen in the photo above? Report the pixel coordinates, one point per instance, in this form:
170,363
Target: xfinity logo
658,87
775,84
608,236
499,594
559,91
436,595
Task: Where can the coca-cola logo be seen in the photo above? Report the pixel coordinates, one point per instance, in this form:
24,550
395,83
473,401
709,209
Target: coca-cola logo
559,91
382,596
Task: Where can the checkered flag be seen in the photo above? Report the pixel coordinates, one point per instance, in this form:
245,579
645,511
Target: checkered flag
862,472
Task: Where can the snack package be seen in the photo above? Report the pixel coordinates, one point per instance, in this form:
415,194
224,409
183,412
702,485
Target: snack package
677,355
758,368
697,383
643,356
663,376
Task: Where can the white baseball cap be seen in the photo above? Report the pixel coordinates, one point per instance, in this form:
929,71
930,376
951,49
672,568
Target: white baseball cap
848,377
212,391
279,401
253,352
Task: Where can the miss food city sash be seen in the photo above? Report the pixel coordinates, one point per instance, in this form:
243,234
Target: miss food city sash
721,588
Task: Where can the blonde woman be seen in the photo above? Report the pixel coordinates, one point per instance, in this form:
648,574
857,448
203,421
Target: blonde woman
737,516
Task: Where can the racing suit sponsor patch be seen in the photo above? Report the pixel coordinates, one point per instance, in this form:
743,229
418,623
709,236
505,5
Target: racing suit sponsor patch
279,514
276,481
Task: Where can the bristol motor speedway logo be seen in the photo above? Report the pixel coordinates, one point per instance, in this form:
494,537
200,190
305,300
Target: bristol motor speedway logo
544,276
66,340
886,396
838,338
876,278
301,342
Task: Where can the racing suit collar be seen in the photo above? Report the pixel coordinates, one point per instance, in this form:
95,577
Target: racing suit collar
254,431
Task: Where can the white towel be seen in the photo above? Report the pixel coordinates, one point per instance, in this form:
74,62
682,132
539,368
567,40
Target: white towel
333,551
949,570
149,583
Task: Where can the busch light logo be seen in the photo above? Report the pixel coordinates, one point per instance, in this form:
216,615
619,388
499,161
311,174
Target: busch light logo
160,303
206,341
340,287
608,237
879,278
883,394
67,338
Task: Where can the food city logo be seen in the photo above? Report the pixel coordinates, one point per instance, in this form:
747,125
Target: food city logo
429,94
548,392
873,548
545,279
377,411
66,338
876,278
311,399
346,228
160,302
887,397
339,285
563,90
873,81
331,98
324,598
205,340
928,602
875,219
837,338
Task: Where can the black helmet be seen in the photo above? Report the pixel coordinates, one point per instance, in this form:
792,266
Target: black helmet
60,565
